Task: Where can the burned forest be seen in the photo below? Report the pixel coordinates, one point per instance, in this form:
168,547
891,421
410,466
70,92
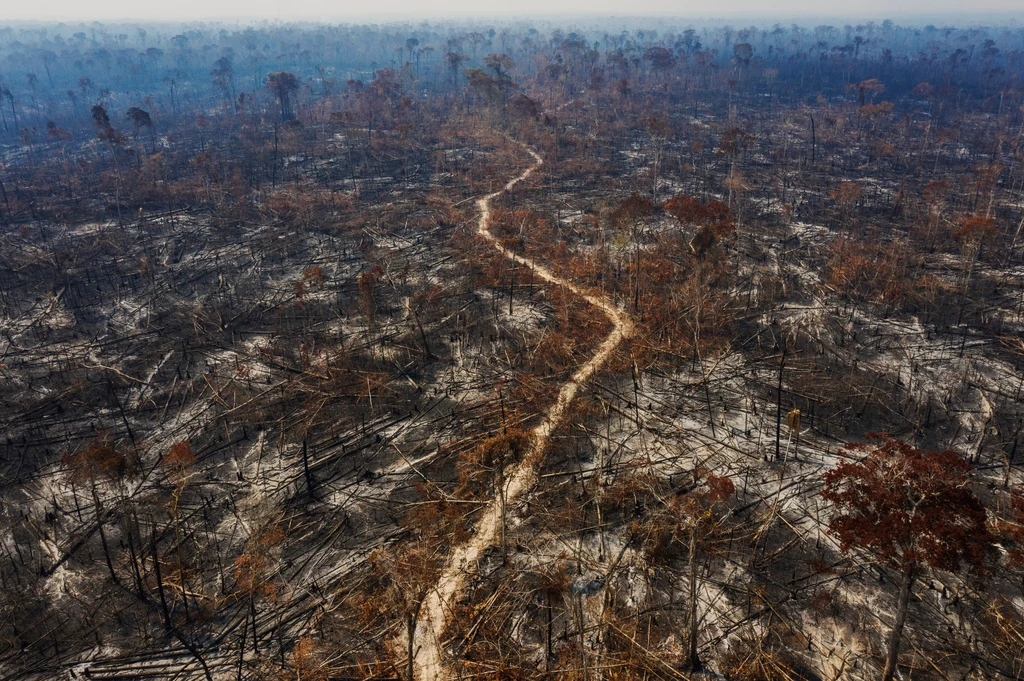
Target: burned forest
512,350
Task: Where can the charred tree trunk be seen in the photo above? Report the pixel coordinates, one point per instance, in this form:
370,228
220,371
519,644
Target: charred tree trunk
305,468
814,143
159,580
695,664
410,624
547,655
895,636
778,404
103,535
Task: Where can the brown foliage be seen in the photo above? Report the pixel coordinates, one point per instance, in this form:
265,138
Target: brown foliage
923,89
479,464
846,194
1002,628
399,579
367,292
253,572
713,219
305,662
481,633
690,211
99,460
975,228
436,517
867,270
698,509
735,140
314,276
635,486
632,209
684,301
875,111
180,456
909,508
871,87
751,660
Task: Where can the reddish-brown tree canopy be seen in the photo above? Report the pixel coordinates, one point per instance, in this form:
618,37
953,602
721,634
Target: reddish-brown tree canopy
632,209
908,507
100,459
713,219
707,496
689,210
976,227
180,455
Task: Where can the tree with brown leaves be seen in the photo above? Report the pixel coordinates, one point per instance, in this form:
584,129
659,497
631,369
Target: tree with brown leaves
911,510
100,461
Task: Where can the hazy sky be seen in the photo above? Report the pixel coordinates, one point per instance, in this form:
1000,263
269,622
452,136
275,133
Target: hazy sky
397,10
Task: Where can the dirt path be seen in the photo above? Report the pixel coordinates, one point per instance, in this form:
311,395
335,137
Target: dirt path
428,664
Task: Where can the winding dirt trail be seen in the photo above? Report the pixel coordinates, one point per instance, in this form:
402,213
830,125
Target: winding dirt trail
428,663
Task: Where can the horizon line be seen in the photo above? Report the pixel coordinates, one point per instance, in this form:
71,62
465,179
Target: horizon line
405,17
